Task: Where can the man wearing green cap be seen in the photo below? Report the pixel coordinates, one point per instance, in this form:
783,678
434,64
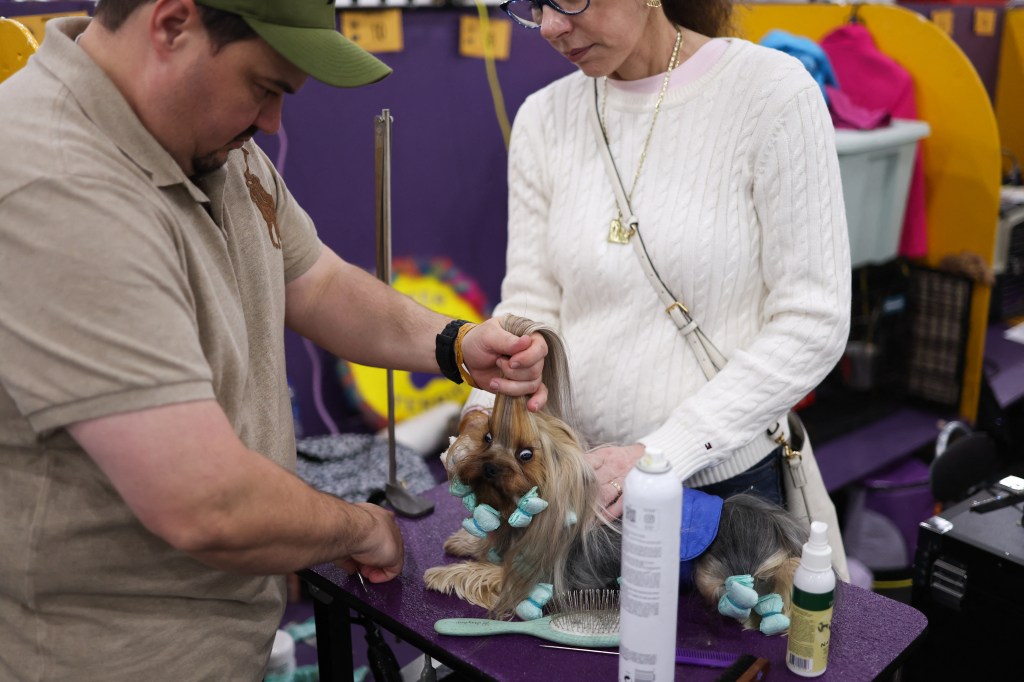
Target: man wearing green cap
150,258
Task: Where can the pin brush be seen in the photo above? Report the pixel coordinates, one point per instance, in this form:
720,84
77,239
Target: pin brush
585,618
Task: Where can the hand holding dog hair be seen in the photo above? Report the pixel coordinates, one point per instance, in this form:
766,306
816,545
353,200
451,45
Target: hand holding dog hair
502,362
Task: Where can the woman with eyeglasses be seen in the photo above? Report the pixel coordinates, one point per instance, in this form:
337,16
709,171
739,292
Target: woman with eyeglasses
716,158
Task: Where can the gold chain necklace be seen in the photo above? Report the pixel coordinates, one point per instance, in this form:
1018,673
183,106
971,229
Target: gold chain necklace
617,232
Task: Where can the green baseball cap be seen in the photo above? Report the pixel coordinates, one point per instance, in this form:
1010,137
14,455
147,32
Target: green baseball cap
305,33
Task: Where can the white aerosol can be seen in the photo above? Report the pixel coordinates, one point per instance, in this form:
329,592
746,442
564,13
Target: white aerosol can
814,587
651,517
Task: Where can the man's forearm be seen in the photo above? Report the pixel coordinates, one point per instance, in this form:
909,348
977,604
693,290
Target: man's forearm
269,521
348,312
203,492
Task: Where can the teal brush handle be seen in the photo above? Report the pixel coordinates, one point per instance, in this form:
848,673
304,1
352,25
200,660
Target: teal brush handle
542,628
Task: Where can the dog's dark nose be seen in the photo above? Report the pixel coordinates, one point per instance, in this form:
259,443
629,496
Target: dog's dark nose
490,470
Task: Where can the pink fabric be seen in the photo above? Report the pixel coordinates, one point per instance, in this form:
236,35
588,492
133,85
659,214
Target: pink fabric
874,80
848,114
687,72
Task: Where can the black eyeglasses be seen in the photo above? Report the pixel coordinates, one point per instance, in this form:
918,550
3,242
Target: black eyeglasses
527,13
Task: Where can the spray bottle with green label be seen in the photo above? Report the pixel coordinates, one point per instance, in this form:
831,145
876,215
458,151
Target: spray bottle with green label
814,587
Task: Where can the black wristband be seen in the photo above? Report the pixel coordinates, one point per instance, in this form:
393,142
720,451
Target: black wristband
444,350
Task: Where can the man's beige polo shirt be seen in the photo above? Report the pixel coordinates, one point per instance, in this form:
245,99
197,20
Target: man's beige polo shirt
124,285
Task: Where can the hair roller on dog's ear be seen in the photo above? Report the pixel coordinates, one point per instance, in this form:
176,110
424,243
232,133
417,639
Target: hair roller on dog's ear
485,519
773,621
460,489
740,596
526,506
532,607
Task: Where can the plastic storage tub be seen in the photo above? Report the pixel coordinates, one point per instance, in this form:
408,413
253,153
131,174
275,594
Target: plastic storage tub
876,166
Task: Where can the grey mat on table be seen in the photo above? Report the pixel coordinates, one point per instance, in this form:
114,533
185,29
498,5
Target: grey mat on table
354,465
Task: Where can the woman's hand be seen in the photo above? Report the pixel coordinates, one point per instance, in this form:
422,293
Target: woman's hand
612,463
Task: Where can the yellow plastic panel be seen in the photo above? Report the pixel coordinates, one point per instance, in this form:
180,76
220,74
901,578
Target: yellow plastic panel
961,156
16,46
1010,87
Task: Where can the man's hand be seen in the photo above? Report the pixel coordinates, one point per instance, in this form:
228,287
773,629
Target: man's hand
501,362
381,554
612,463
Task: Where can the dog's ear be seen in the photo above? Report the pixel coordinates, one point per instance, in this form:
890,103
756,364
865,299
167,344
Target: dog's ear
474,424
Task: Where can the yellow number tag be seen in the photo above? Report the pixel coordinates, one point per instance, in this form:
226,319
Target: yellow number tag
374,31
943,18
984,22
473,42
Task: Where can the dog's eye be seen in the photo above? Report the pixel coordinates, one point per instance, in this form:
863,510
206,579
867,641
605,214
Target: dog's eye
525,455
487,437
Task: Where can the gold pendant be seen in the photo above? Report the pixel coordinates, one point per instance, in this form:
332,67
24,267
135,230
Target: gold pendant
617,234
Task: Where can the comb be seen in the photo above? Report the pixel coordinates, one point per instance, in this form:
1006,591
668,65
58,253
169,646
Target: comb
707,658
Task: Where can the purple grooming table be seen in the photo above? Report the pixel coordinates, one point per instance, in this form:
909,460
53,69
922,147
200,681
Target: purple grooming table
871,634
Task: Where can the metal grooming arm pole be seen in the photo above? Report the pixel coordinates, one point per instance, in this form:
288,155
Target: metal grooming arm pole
400,499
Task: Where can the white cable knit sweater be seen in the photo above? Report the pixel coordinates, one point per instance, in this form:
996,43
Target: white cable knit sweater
741,209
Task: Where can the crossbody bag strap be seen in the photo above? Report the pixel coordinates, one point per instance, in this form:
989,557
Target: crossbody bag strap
708,356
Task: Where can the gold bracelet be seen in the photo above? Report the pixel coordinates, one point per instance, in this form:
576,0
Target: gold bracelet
463,372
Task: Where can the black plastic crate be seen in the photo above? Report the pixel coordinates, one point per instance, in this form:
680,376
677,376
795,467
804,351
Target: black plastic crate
939,311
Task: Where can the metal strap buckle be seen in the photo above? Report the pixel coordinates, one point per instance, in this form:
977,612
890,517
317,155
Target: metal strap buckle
676,304
787,450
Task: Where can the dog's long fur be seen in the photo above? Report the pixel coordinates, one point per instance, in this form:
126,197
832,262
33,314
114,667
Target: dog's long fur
757,538
503,455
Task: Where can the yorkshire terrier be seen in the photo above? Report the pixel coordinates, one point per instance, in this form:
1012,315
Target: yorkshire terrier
538,528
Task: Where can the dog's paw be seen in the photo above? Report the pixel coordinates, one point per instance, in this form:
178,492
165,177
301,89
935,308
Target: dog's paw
461,543
474,581
438,579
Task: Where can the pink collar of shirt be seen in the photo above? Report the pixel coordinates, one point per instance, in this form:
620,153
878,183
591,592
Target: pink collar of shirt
687,72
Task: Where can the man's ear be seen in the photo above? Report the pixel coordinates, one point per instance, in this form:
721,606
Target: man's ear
172,23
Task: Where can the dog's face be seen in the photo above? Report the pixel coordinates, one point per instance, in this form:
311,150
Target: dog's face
500,462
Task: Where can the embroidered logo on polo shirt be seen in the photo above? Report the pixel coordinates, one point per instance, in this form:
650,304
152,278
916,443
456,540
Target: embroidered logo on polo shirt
264,202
